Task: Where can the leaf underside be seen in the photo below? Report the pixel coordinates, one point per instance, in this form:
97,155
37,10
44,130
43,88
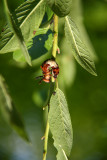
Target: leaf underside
60,124
9,111
29,16
80,51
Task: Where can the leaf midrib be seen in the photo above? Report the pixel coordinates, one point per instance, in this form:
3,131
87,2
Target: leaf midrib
64,154
24,20
83,59
61,115
72,36
31,12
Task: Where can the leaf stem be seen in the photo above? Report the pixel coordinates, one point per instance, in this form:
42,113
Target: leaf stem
54,49
46,141
55,39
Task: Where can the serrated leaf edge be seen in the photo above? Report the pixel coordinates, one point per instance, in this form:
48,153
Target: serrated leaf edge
93,71
55,144
39,3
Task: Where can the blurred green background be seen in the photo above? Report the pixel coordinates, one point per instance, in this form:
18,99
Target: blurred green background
86,95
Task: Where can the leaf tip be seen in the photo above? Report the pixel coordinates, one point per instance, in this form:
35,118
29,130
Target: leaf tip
95,74
30,64
93,71
29,61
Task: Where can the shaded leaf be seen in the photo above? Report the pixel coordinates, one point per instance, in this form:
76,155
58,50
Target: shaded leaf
80,51
67,64
47,17
29,16
17,32
50,92
9,111
49,13
38,46
60,123
68,69
60,7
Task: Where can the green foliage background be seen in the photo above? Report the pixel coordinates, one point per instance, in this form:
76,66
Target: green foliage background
86,96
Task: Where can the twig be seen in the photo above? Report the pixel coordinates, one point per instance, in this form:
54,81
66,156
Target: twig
54,50
55,39
46,141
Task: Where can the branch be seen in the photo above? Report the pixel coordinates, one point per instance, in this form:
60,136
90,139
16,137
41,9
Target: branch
54,49
55,39
46,141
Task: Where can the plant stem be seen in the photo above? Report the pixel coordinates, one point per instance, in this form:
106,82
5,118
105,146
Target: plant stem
55,46
46,141
55,39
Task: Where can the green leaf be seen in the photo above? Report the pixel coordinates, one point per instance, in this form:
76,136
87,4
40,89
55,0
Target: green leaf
77,15
17,32
67,65
50,92
48,18
60,123
9,111
61,154
80,51
60,7
38,46
49,13
29,16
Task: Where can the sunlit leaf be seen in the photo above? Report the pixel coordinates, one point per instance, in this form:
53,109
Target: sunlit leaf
80,51
38,46
60,123
61,154
9,111
17,32
77,15
29,16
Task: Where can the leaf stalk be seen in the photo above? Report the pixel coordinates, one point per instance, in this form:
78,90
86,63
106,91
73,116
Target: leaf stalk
46,141
55,38
54,50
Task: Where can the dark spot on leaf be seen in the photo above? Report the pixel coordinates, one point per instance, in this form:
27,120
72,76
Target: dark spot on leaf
54,93
34,32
